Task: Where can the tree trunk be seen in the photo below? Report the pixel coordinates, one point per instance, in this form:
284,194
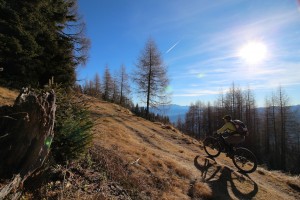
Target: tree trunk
26,132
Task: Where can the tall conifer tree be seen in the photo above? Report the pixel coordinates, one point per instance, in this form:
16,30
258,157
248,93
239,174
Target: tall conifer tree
40,39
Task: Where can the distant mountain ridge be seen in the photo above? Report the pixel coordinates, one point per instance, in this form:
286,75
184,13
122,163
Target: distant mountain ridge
173,111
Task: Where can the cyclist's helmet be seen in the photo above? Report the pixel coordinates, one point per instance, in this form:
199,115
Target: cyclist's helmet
227,117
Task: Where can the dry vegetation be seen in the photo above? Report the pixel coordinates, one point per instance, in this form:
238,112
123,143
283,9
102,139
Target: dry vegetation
7,97
136,159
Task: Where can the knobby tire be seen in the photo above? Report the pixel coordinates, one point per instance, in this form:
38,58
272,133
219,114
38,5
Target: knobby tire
212,146
244,160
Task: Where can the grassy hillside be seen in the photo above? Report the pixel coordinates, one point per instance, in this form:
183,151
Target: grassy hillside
132,158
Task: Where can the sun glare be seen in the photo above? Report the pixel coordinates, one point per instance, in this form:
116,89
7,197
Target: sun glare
253,52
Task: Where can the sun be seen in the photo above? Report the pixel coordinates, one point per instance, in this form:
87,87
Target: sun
253,52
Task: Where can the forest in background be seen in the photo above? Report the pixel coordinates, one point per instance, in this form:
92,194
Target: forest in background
274,130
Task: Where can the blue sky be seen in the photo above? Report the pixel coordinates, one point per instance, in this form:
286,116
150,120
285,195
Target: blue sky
200,42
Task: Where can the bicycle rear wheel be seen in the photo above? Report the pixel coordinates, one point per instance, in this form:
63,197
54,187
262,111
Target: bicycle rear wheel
212,146
244,160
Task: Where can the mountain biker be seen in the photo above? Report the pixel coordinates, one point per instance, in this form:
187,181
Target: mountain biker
228,129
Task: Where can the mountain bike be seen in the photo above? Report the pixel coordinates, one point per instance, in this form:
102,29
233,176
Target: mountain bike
241,157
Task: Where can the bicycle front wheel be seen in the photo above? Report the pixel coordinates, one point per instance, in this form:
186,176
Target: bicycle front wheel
212,146
244,160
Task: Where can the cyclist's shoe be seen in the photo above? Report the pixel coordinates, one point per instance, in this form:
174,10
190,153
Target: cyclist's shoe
229,151
226,148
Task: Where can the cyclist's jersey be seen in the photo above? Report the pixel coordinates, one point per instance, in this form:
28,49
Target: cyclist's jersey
229,127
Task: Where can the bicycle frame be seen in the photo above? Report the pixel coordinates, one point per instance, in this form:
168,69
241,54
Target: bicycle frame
224,144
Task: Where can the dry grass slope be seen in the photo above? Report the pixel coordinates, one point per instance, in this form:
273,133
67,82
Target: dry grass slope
136,159
176,165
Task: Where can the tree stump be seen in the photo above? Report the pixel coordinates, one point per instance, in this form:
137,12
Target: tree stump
26,132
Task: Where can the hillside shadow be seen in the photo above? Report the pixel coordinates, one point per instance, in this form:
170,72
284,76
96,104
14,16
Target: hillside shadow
223,180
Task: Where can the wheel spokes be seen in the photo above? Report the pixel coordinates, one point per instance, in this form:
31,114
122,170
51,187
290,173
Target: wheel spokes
244,160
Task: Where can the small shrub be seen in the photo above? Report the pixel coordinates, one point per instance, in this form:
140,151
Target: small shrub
72,128
201,190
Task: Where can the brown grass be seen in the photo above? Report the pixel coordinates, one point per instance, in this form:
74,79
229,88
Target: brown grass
118,171
7,97
174,168
294,183
201,190
261,172
101,174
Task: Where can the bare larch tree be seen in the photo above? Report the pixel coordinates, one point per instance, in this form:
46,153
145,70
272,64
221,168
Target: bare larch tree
107,85
124,85
97,86
151,77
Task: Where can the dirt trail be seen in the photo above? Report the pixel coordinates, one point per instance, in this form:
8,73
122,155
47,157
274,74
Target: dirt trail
164,152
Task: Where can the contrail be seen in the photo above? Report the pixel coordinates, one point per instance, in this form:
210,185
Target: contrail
173,47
